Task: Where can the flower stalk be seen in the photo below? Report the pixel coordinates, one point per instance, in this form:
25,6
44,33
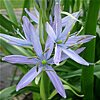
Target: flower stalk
44,88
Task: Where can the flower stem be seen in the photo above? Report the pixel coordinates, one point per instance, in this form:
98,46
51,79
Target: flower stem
90,28
44,88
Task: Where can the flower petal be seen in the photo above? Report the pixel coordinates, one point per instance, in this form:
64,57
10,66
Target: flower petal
36,41
64,56
26,28
78,51
51,60
85,38
67,19
75,56
50,32
33,36
57,18
55,81
15,41
28,77
57,55
32,16
49,47
79,39
69,26
19,59
36,12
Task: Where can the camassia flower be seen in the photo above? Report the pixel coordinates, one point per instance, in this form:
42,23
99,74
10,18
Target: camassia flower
41,63
64,42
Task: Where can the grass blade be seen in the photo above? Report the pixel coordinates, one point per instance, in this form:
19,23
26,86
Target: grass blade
10,11
26,5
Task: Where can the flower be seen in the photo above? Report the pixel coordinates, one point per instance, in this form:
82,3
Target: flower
42,62
61,38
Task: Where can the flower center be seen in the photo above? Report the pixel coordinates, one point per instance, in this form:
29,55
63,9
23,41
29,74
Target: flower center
44,62
59,42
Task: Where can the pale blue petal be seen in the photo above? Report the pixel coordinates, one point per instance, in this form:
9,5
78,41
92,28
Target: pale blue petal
57,55
36,41
78,51
55,81
49,47
68,26
26,28
85,38
66,20
79,39
51,60
73,55
36,12
64,56
15,41
50,32
28,77
32,16
19,59
57,19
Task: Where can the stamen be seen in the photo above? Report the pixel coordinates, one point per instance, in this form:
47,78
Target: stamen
17,31
80,30
46,50
67,37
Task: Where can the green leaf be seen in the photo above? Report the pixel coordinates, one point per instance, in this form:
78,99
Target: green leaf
77,5
10,11
69,88
66,4
12,49
8,25
65,87
36,96
52,94
6,93
79,72
87,80
26,89
97,74
26,5
98,62
97,71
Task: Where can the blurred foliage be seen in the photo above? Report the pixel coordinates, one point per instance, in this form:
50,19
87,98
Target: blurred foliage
15,3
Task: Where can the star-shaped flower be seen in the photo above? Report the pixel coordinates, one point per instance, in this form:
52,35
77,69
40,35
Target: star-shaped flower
61,38
41,63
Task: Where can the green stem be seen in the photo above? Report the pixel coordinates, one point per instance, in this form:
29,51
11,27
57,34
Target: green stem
90,28
44,88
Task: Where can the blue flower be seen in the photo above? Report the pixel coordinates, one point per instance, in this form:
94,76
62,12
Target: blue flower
42,62
62,40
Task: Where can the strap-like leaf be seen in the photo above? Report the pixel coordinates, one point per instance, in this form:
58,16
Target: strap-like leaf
10,11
